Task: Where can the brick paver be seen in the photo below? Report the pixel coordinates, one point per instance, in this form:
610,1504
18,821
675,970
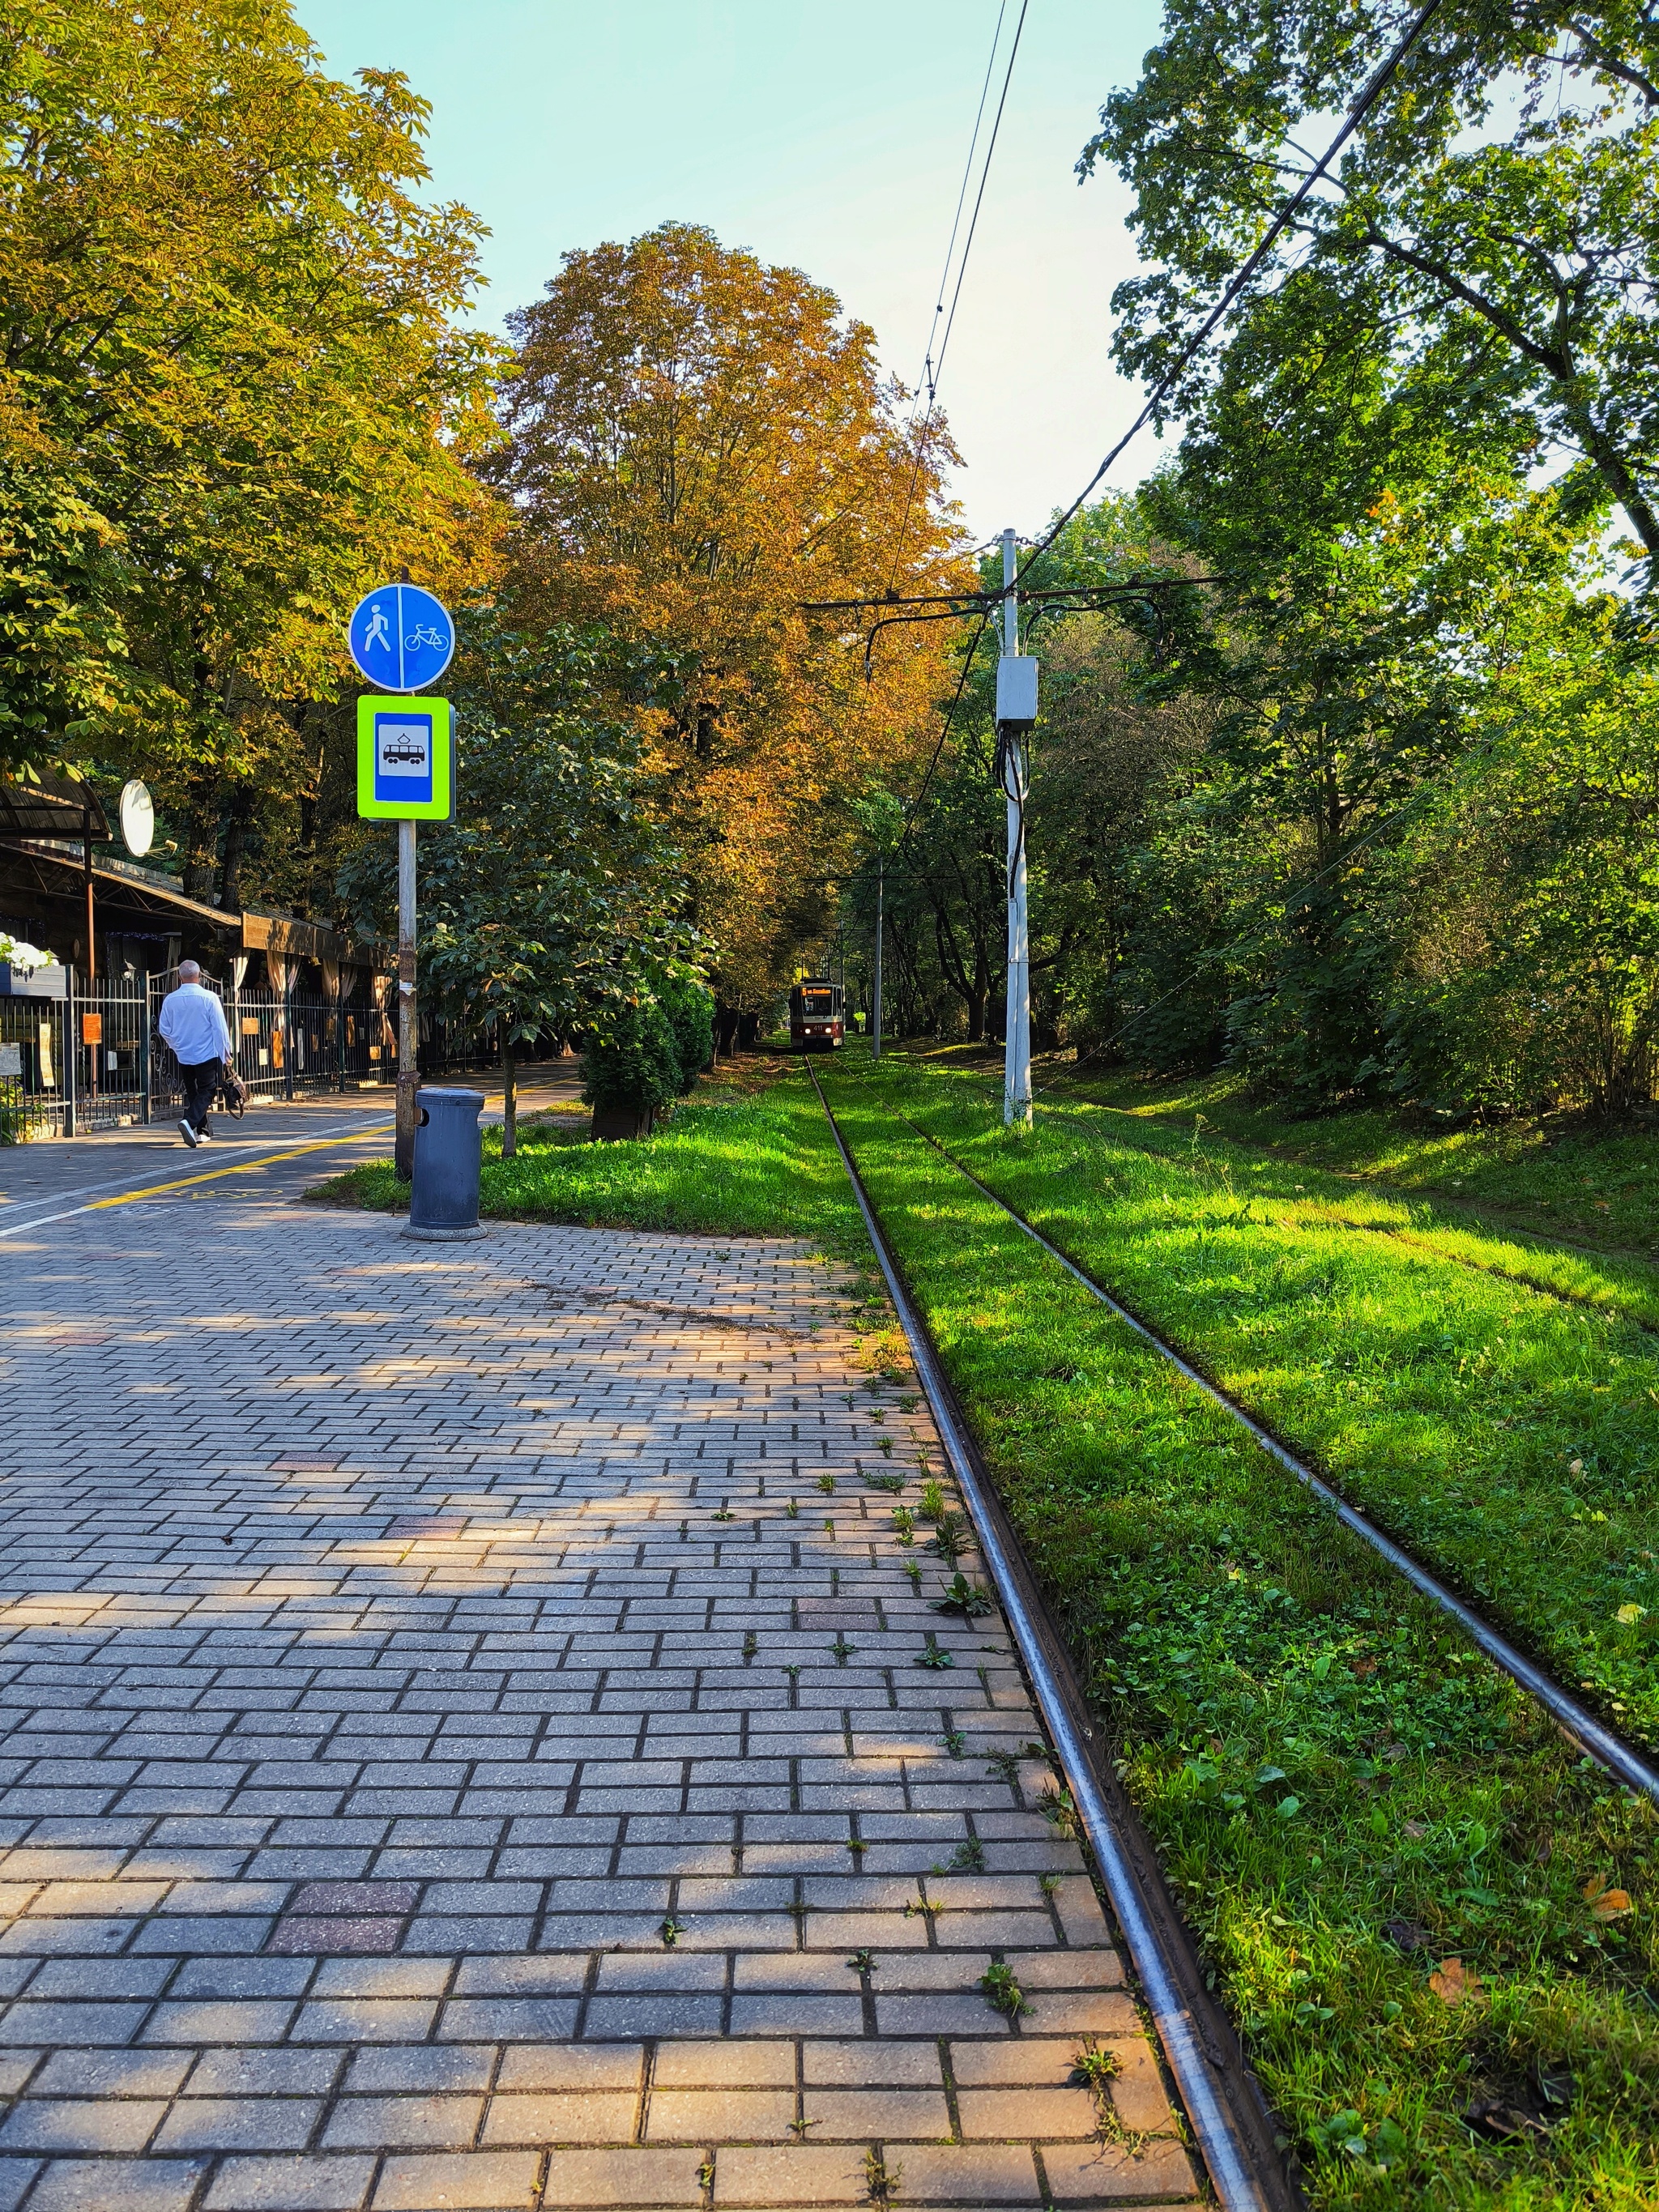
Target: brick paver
467,1745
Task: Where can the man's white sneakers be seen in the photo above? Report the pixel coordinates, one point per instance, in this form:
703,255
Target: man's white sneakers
188,1133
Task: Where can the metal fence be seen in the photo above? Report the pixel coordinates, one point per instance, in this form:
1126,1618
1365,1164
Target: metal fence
94,1059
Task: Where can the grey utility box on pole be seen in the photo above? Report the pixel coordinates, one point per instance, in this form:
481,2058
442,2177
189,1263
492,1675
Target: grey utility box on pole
1017,690
443,1199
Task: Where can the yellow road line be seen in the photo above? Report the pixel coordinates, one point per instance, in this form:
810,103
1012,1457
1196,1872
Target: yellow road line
241,1167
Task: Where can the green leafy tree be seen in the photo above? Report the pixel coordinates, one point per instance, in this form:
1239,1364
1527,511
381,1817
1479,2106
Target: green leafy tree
230,326
1493,229
552,898
60,639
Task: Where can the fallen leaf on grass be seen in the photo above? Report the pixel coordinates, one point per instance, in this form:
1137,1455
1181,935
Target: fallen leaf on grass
1454,1984
1628,1615
1605,1904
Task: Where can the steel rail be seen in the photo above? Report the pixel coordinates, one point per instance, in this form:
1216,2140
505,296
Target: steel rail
1229,2119
1593,1737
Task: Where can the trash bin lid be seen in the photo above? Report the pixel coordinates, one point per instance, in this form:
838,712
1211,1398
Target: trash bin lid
461,1098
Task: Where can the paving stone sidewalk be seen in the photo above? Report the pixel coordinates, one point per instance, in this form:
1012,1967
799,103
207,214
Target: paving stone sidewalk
469,1743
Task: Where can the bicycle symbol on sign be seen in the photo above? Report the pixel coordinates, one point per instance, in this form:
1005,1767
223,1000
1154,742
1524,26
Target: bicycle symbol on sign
423,635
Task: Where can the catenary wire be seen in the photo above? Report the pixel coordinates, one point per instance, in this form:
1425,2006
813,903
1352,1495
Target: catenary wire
934,368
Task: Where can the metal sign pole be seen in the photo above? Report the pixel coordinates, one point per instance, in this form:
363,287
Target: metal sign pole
1017,1050
875,987
402,638
408,1025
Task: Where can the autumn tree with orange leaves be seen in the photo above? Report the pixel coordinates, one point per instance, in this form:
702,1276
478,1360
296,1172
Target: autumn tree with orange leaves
697,444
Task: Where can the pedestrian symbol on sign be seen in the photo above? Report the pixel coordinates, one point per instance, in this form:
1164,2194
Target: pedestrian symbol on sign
401,638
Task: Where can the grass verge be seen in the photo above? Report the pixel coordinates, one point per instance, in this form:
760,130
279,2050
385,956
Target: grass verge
748,1155
1507,1433
1554,1174
1433,1923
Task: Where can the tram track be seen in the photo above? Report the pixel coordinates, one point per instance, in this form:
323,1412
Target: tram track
1231,2124
1626,1762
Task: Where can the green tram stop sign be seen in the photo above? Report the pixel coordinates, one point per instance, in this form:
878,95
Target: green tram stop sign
406,760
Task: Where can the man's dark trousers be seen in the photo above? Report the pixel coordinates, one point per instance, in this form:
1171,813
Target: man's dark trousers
201,1080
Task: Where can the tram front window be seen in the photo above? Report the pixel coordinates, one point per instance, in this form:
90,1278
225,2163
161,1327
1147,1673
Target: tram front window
817,1005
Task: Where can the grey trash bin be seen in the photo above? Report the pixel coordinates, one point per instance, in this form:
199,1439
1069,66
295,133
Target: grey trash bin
443,1199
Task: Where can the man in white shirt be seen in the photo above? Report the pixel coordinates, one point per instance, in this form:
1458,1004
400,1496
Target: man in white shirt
193,1024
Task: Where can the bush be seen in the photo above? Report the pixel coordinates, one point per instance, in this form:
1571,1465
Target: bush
636,1068
688,1006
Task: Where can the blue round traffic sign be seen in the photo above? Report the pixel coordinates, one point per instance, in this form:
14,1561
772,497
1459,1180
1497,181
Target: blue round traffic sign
401,637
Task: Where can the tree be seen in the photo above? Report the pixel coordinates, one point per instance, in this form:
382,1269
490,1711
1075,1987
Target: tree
60,639
697,444
228,328
1492,228
552,900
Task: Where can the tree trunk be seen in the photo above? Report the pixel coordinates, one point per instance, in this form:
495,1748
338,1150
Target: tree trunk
238,818
509,1098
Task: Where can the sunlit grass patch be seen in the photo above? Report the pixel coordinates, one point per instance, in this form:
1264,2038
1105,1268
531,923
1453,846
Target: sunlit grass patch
1551,1173
1510,1436
746,1155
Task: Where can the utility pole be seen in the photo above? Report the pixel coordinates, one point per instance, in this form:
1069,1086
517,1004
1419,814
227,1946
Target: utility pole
409,1027
875,991
1016,713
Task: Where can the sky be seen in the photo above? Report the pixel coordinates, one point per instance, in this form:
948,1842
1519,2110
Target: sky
830,139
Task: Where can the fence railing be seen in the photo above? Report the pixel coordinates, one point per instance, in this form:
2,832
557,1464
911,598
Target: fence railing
95,1059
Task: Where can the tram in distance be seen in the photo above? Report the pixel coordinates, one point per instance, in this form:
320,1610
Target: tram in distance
817,1022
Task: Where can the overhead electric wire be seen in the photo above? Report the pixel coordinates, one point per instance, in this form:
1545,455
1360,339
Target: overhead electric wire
931,369
1363,101
926,376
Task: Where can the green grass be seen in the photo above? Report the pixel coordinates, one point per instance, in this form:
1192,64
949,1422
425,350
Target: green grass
1317,1753
1555,1175
731,1162
1508,1434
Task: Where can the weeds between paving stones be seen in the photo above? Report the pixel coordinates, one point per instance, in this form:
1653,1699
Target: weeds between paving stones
935,1655
826,1483
792,1509
671,1931
881,2181
894,1482
1201,1591
912,1568
864,1962
953,1739
750,1644
1002,1991
904,1525
1094,2068
1057,1808
950,1541
964,1597
932,1507
842,1650
968,1857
